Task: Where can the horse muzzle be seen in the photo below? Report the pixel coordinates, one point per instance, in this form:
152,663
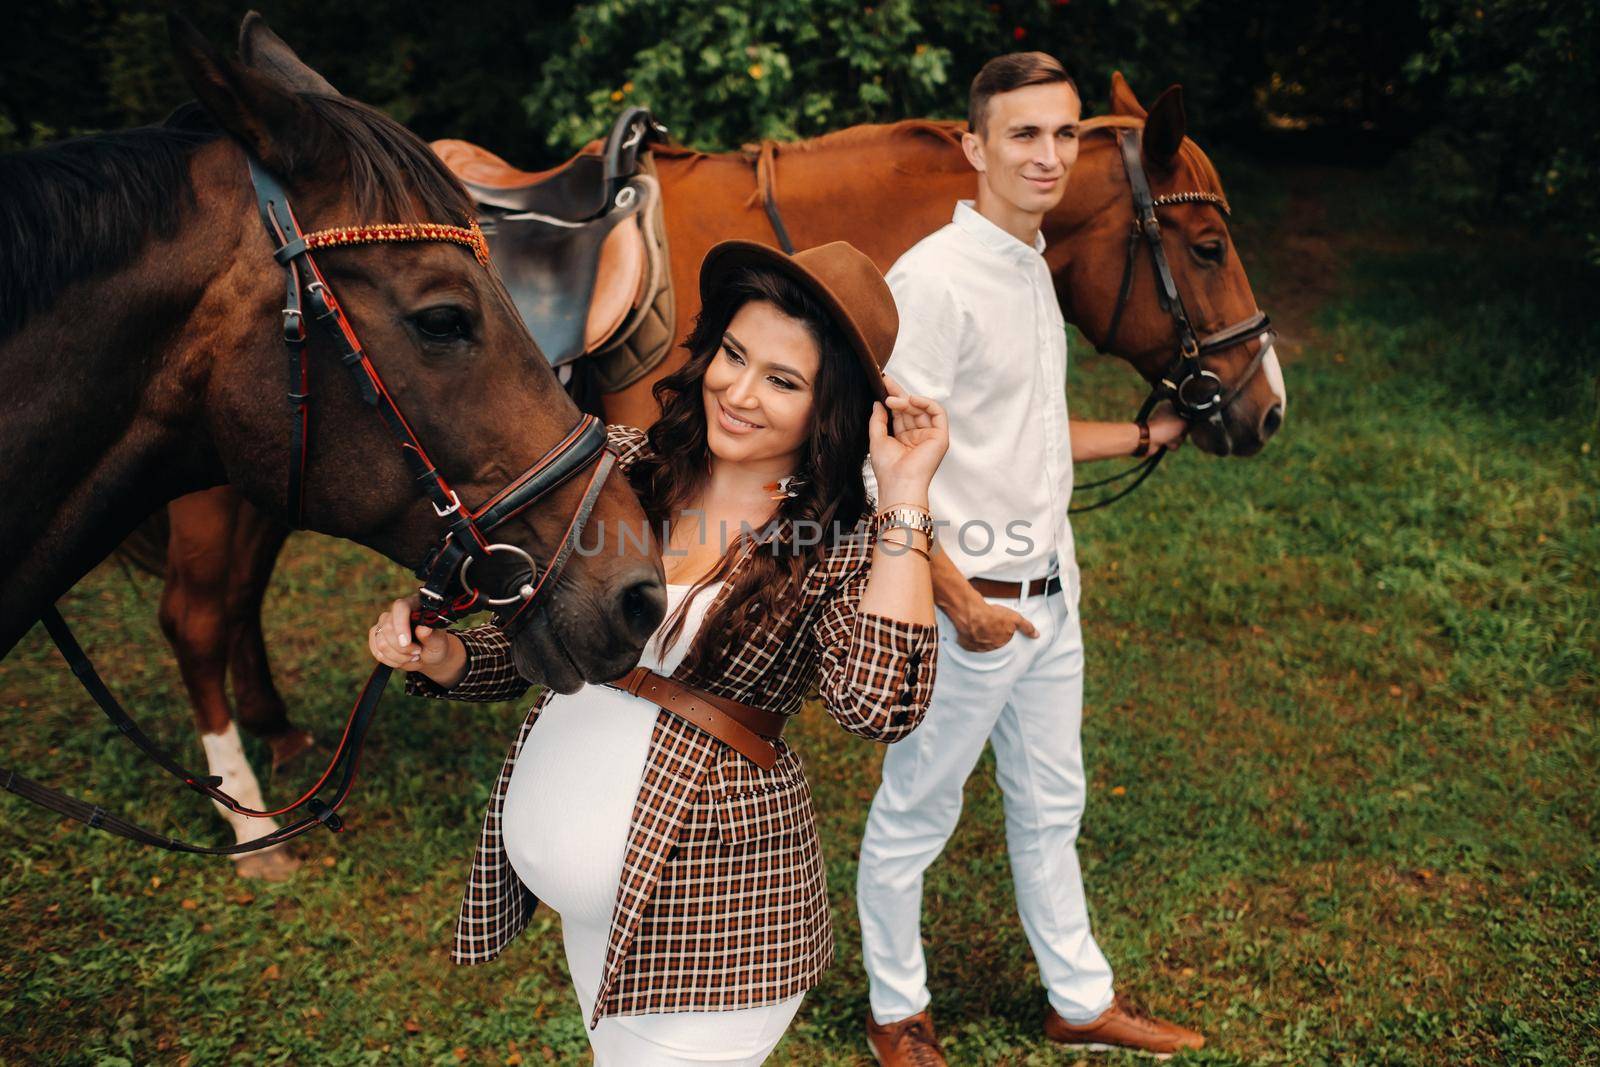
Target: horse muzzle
1242,423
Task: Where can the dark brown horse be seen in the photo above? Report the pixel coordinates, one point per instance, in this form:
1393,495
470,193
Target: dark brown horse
141,343
880,187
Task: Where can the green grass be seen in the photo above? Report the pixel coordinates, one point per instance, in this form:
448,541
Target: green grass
1341,729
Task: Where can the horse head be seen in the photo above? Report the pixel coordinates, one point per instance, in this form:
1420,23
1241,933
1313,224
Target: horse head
1112,267
440,335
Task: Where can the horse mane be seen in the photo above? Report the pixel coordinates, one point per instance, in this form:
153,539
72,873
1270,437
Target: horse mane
90,204
945,131
392,171
1199,163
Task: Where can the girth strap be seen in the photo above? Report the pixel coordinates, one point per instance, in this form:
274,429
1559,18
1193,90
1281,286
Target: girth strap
767,189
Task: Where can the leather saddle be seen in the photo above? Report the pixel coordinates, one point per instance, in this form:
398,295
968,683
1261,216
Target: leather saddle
581,247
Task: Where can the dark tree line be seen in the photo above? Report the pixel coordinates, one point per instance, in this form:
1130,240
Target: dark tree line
1497,98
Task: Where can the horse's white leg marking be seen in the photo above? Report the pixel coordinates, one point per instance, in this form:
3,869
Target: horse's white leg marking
1274,373
225,756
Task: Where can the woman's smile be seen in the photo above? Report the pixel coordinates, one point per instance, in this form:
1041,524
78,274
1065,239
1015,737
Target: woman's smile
733,423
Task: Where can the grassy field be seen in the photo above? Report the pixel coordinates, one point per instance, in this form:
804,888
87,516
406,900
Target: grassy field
1341,727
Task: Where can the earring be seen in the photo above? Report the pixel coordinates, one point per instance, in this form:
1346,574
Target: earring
785,488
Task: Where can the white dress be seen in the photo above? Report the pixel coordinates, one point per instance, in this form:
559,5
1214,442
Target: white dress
568,812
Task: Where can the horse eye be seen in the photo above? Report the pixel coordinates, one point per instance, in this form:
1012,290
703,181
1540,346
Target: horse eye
1209,251
442,324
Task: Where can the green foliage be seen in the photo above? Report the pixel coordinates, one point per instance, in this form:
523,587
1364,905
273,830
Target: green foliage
721,74
1519,81
1496,97
725,74
73,66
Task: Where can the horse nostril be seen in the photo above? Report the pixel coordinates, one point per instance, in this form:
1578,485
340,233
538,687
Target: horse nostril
1271,421
644,603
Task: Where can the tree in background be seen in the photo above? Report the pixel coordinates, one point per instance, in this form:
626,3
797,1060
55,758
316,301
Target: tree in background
77,66
1498,95
724,74
1520,83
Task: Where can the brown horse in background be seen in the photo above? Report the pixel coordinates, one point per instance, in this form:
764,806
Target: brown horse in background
142,330
882,188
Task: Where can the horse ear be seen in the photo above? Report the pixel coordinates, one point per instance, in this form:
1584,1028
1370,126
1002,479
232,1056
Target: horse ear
260,114
265,52
1164,128
1123,102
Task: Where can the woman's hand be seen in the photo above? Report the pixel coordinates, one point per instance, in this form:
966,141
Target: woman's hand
904,461
394,642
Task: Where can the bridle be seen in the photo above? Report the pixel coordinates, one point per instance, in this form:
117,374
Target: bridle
446,592
1195,392
465,538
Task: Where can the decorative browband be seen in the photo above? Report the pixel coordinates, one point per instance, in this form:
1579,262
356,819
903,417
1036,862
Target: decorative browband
375,233
1192,198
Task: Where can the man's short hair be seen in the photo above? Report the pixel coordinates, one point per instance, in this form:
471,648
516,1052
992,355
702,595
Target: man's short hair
1016,70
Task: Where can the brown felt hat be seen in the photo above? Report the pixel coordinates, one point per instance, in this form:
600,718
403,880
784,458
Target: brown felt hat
839,275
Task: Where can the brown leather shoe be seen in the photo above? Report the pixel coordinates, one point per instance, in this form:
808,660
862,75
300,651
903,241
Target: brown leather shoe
1122,1026
907,1043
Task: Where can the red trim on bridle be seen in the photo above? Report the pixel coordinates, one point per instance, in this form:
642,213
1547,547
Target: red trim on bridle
379,232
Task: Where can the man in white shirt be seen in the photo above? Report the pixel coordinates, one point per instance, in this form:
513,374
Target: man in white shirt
981,333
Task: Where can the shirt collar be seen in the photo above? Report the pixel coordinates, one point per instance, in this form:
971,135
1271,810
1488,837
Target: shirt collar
993,237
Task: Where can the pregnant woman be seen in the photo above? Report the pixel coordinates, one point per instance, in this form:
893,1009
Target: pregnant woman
663,816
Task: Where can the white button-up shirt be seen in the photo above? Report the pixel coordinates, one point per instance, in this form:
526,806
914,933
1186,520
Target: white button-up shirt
981,333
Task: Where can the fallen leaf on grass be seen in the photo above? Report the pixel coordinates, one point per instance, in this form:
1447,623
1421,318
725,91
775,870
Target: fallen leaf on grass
188,904
412,1026
272,973
1395,690
461,1055
1118,790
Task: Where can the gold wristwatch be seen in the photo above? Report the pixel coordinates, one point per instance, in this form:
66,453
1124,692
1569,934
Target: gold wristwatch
908,516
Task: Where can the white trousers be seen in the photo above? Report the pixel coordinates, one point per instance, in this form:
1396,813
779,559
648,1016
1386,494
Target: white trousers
1027,699
741,1037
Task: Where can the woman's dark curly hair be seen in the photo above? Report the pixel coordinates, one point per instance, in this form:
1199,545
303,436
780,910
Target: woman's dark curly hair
832,497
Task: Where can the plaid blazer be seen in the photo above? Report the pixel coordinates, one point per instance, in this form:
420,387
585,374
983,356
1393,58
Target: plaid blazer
722,902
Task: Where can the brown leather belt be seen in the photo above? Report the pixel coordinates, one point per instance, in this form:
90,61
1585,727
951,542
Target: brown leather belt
745,729
1017,590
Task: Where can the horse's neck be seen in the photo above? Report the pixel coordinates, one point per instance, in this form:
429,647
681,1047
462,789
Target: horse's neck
881,198
884,194
100,418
